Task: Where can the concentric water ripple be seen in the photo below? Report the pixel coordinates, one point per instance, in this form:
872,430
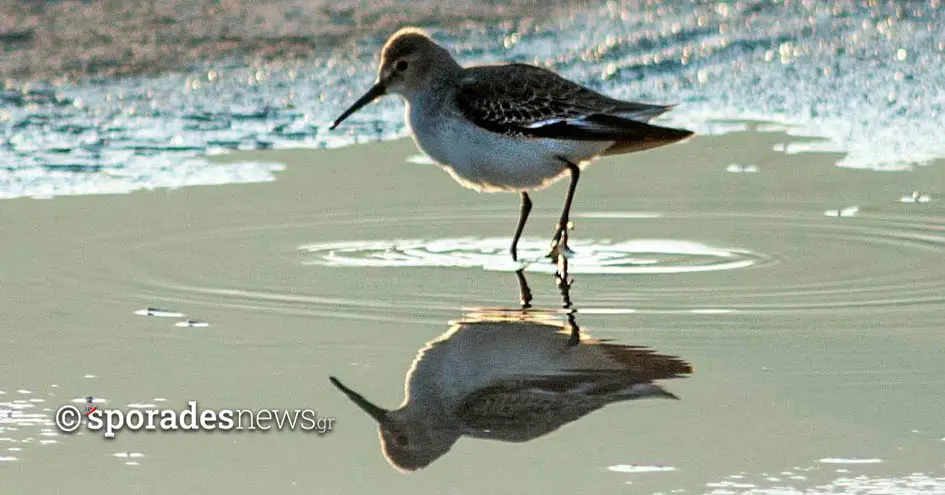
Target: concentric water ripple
802,261
657,256
789,262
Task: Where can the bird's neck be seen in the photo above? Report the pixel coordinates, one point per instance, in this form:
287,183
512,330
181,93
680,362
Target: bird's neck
439,85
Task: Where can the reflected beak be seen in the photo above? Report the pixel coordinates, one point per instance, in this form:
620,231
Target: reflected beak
376,91
379,414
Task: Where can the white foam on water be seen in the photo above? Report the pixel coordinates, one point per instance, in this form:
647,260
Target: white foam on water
639,468
607,311
738,168
915,197
641,256
192,323
860,79
160,313
128,455
849,211
420,160
850,460
144,174
911,484
618,214
729,484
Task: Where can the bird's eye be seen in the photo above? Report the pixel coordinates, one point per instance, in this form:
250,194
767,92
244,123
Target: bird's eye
400,439
400,66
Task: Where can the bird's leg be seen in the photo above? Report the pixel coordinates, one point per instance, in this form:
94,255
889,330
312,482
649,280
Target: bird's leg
559,243
564,286
525,294
575,337
522,218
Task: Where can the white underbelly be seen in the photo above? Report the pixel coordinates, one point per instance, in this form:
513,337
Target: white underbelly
489,162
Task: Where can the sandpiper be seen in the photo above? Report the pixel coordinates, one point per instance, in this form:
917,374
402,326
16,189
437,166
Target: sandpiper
512,375
512,127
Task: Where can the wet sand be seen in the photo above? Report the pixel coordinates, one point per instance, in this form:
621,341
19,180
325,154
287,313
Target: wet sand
824,348
73,40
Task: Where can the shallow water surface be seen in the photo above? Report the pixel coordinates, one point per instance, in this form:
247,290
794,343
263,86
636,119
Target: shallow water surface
815,339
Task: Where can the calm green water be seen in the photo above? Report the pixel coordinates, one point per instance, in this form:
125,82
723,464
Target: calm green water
816,339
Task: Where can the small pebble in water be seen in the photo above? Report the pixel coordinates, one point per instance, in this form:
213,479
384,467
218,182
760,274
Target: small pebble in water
915,197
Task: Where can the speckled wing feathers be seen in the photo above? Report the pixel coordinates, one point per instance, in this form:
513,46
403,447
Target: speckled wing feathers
523,100
520,411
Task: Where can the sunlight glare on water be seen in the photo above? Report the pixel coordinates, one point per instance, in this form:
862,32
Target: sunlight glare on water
859,78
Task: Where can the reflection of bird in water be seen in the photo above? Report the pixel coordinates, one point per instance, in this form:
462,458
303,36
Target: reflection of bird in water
511,375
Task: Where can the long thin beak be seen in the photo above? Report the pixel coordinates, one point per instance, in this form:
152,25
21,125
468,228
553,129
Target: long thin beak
379,414
376,91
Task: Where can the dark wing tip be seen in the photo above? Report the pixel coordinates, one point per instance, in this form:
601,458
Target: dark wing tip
641,111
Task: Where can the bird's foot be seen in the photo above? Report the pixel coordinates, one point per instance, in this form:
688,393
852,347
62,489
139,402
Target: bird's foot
561,250
562,282
559,245
574,339
525,293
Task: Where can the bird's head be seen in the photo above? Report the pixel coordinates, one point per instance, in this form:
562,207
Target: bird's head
409,61
408,442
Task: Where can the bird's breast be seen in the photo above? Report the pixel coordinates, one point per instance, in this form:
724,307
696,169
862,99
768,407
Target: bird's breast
484,160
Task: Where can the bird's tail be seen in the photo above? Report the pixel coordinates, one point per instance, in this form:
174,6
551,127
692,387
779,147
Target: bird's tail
648,136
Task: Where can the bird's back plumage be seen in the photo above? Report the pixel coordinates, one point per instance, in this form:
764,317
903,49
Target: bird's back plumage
527,101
